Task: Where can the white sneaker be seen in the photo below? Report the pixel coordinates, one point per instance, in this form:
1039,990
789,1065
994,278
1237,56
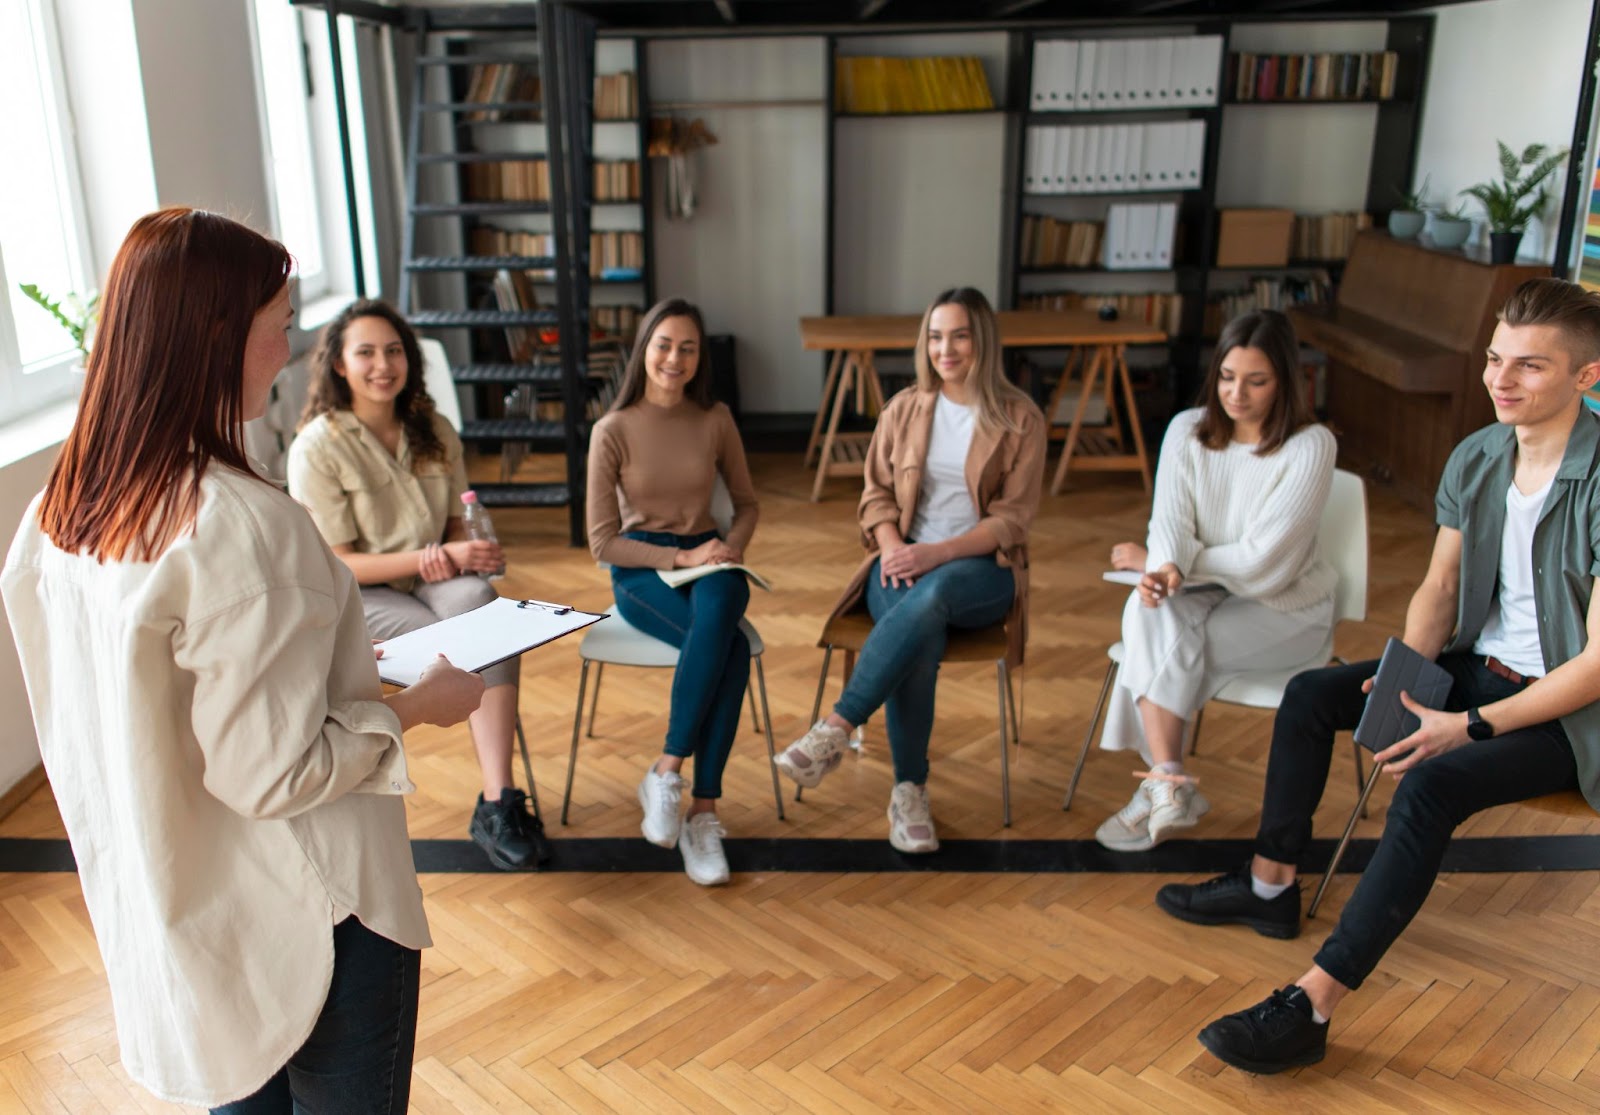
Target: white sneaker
1174,806
808,759
910,822
1128,829
660,796
700,841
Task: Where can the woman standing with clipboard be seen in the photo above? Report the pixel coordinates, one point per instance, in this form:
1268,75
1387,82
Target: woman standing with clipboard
209,712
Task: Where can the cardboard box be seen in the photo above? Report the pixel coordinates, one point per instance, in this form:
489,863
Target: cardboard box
1254,237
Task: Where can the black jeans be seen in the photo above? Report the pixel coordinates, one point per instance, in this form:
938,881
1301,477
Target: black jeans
1429,803
357,1060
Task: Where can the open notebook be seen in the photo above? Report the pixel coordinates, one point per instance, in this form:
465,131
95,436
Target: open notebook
1131,577
677,577
480,638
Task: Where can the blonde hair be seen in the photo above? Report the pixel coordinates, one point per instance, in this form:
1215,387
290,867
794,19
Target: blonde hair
990,389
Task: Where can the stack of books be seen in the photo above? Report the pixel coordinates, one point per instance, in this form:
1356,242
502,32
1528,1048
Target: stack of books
617,181
500,83
1162,310
875,85
1313,77
1274,293
612,255
523,180
1099,75
616,96
1327,236
1047,242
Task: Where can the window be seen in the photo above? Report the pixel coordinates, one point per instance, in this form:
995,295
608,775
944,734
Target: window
295,64
42,238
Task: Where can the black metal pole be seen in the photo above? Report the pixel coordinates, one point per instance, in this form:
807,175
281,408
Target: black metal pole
1580,158
357,258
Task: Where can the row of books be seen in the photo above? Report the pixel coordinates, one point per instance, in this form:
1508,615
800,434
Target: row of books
617,181
1097,75
1327,235
529,180
612,255
1114,158
502,83
878,85
1047,242
1140,237
1162,310
615,321
616,96
1313,77
1277,293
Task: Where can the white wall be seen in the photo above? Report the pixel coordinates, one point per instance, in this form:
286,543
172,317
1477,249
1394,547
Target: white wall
752,256
19,747
1500,73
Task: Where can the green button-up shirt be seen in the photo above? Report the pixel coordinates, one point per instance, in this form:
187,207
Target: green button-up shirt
1566,556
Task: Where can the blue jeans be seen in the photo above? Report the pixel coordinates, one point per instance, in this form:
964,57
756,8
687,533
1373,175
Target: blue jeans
357,1060
899,664
701,619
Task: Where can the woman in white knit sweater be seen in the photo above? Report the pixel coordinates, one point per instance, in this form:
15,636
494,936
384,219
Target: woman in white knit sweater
1239,495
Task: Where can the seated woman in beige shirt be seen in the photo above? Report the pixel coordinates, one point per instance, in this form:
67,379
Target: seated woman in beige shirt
209,711
382,475
654,461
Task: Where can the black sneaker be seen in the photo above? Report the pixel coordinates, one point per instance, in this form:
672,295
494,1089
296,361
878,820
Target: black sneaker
1228,900
509,835
1277,1033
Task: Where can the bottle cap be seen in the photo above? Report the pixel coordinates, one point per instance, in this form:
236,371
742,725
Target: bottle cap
469,496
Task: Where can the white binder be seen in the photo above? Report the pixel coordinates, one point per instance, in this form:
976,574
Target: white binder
1118,162
1071,161
1194,153
1064,74
1116,238
1046,163
1208,64
1160,56
1111,71
1093,160
1086,71
1039,93
1030,165
1166,231
1133,158
1136,86
1061,167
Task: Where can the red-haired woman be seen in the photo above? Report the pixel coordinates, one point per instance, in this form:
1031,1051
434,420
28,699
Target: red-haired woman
209,711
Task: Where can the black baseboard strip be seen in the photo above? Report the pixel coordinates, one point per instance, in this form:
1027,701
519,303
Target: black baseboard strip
1471,855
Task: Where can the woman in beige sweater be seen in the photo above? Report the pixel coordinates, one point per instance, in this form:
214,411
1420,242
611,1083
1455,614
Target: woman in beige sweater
952,484
653,466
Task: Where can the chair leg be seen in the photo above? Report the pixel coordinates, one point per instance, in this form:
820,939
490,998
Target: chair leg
816,704
527,769
594,701
1355,749
1011,699
1002,680
577,725
1088,738
772,753
1338,852
1194,733
755,715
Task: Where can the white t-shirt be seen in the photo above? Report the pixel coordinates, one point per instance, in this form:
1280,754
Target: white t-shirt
1511,632
944,506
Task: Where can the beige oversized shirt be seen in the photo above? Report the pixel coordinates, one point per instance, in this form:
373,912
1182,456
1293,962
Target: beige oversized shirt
359,493
212,725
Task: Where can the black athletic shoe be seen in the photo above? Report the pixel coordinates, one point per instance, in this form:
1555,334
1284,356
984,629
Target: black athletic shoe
509,835
1228,900
1277,1033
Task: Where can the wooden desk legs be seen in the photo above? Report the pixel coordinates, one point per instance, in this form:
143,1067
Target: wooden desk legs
834,364
1112,360
844,454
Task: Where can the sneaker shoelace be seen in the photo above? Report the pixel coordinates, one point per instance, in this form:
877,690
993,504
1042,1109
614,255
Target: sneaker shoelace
705,835
1277,1013
669,789
1137,809
818,746
913,807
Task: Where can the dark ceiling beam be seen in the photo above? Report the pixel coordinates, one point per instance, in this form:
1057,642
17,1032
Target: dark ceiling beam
1005,9
725,9
870,8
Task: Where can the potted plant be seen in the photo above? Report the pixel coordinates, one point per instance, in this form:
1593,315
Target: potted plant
1517,198
75,313
1406,221
1451,227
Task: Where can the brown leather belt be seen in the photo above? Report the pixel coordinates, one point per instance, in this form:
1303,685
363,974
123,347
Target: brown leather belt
1495,666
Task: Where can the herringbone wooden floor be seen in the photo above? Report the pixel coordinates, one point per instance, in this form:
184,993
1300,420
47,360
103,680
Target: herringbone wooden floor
929,992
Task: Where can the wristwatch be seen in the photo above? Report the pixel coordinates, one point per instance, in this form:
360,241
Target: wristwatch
1477,727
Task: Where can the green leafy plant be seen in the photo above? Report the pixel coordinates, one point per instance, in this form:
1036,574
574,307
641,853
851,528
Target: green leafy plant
1456,212
75,313
1414,200
1521,194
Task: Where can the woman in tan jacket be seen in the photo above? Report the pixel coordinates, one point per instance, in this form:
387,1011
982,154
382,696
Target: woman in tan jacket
952,484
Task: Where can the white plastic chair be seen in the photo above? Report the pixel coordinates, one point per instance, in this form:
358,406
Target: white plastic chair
1342,541
614,641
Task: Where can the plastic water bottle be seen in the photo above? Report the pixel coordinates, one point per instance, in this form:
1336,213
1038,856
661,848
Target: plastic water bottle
479,528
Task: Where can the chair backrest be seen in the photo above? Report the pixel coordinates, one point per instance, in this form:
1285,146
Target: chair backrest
1342,539
436,378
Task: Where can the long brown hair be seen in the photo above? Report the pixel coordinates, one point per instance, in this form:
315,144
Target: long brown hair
330,391
698,389
1271,332
987,379
163,389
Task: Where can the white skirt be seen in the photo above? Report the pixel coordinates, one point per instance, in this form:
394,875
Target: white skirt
1179,654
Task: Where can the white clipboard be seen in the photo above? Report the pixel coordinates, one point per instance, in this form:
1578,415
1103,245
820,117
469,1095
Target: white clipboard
483,637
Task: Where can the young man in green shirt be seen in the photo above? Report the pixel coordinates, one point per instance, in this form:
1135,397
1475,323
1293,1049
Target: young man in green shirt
1506,609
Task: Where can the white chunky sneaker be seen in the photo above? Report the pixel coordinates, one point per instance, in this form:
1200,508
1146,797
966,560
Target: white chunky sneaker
1128,829
700,841
1174,806
813,755
910,822
660,796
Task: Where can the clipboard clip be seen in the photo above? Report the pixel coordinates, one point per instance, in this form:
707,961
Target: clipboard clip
557,609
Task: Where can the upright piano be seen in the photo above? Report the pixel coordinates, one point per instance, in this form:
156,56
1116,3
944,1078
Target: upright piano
1405,340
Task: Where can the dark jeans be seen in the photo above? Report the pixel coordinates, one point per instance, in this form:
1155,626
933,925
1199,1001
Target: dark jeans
898,667
1429,803
701,619
357,1060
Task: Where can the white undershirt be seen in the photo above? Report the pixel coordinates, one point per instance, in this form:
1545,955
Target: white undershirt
1511,632
944,506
